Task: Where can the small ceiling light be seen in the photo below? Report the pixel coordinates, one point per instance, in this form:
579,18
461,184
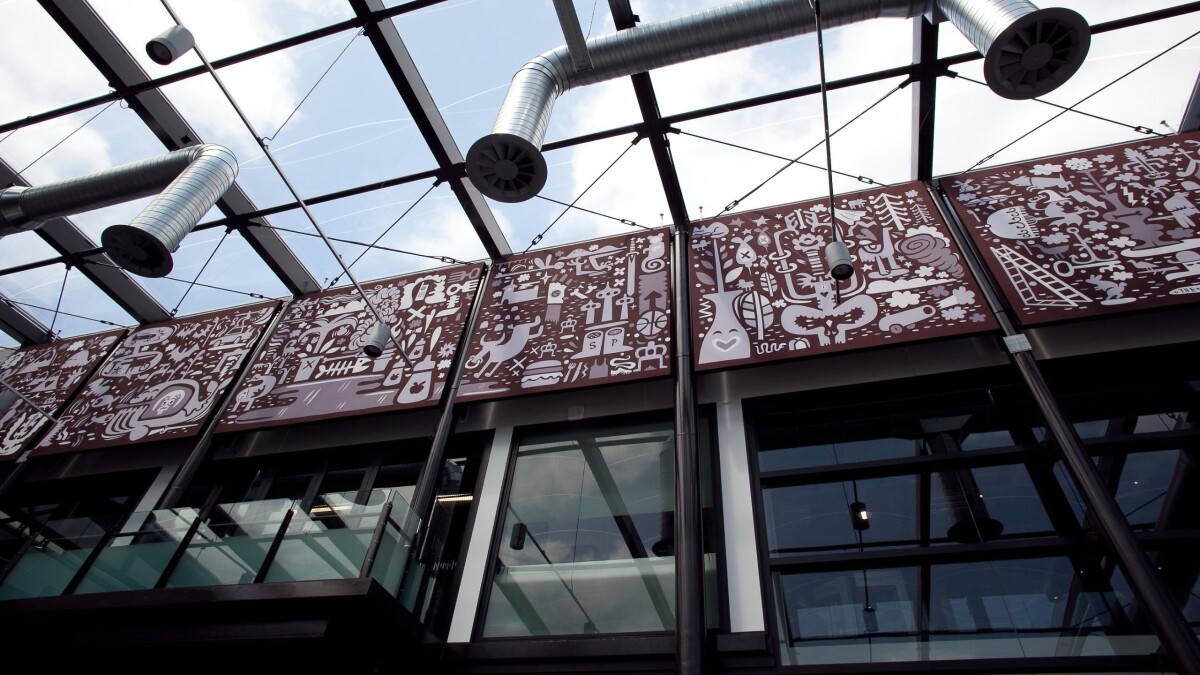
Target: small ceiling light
377,338
860,517
170,45
837,258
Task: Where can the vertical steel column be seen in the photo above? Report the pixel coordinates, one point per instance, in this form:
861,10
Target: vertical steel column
427,483
191,466
689,532
1168,622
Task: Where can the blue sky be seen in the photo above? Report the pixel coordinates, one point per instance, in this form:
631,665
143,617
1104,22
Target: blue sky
354,129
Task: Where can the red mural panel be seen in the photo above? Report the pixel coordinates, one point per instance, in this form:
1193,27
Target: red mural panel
161,382
1093,232
761,290
583,314
48,375
313,366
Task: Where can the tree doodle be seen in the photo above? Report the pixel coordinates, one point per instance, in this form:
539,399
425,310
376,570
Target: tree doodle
313,366
762,292
580,315
1104,230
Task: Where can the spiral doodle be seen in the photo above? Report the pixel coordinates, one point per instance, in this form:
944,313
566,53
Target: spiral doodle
928,249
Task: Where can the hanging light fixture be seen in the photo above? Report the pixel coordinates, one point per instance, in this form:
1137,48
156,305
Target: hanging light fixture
837,254
860,517
170,45
377,339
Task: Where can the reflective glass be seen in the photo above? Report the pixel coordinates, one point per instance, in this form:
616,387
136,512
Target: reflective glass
136,557
587,537
818,517
1000,609
57,553
230,545
330,539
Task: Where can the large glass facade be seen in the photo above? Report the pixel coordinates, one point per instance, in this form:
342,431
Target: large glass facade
938,526
586,542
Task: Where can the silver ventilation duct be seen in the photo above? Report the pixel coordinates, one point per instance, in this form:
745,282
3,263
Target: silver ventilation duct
1027,51
194,179
507,165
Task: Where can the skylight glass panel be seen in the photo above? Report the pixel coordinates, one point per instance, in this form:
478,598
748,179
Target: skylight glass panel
973,123
434,228
783,64
235,275
876,146
221,27
60,74
202,104
352,129
36,291
631,191
469,83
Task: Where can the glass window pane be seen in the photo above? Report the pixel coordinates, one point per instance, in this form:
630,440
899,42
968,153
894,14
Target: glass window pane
587,542
807,517
230,546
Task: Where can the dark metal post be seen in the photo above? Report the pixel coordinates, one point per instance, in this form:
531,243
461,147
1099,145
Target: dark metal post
80,573
689,533
191,466
269,558
1167,620
376,538
427,483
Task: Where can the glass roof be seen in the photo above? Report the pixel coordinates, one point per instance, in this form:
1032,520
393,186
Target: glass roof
327,97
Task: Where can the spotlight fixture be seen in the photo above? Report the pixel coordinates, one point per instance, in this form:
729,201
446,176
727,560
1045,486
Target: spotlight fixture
170,45
837,258
377,338
860,517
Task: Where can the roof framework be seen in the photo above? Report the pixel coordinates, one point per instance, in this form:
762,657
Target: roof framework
150,100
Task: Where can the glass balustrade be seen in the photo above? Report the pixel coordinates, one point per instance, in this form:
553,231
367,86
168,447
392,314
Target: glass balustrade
342,535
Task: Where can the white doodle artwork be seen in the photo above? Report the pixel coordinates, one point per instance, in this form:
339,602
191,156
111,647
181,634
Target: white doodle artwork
48,375
761,290
1105,230
162,382
576,316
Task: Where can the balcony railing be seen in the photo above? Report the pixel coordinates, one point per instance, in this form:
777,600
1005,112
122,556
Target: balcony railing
342,535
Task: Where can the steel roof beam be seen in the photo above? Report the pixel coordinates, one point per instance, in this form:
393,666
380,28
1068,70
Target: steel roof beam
20,325
89,32
79,250
408,81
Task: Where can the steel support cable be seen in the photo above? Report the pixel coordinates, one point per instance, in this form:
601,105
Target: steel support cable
386,231
61,291
291,188
202,268
248,294
315,85
1081,101
279,228
581,194
623,221
1138,128
47,309
64,138
862,179
732,205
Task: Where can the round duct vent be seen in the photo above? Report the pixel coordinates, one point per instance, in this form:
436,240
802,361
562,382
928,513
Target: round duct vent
1037,53
506,168
137,251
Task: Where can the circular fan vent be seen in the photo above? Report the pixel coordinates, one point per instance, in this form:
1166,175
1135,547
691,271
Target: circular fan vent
137,251
506,168
1036,54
